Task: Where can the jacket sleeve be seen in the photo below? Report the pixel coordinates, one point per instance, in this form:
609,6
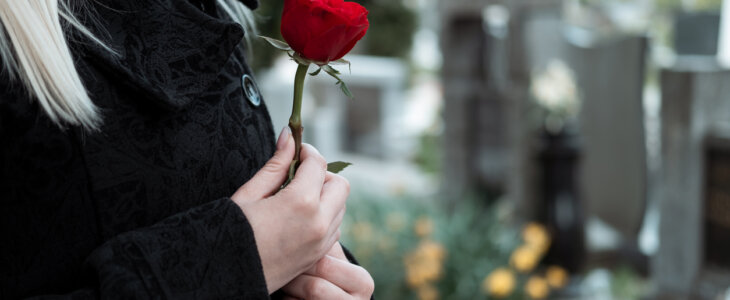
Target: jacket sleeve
207,252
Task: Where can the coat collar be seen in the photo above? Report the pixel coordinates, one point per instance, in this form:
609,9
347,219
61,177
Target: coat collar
169,50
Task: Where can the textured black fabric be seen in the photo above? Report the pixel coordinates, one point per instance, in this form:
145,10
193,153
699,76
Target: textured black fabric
252,4
139,209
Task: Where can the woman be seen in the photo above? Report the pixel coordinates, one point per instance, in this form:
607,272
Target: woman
134,164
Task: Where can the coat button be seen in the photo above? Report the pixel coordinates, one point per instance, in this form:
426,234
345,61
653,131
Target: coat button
251,90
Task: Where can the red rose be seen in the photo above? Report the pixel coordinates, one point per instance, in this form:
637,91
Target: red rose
323,30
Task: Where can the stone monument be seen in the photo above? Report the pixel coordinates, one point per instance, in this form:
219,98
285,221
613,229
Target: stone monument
693,229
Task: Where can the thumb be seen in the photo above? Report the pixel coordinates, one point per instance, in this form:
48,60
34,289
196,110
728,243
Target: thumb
272,175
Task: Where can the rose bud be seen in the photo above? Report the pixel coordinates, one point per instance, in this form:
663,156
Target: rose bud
323,30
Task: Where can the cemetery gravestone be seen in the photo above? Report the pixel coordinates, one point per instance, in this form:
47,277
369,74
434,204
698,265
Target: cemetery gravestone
534,38
610,77
694,107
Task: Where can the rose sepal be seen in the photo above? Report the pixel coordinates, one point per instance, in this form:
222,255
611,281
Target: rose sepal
326,66
281,45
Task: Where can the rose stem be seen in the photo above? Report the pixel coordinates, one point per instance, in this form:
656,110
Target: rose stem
295,121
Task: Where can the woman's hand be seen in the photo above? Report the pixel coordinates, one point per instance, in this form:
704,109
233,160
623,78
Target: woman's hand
332,277
298,225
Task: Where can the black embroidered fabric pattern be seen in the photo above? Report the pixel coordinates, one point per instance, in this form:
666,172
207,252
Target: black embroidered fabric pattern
137,210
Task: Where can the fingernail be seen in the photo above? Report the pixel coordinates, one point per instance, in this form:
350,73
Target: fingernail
283,137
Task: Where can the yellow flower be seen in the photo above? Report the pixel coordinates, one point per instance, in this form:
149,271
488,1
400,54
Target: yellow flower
499,283
423,227
424,264
432,250
424,272
415,277
525,258
556,277
537,288
536,236
427,292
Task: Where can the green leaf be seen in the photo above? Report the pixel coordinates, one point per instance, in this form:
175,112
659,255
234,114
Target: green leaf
346,90
315,73
333,72
281,45
338,166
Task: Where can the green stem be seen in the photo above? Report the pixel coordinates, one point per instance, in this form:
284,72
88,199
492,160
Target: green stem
295,121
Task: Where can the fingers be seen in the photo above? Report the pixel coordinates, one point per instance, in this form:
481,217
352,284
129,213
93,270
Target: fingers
337,252
307,183
334,195
272,175
313,288
337,221
348,277
331,241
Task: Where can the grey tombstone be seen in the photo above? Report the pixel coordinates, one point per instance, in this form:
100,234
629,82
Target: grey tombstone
485,76
535,37
470,112
695,105
613,172
463,80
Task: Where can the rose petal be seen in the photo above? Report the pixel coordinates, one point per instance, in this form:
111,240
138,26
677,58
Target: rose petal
323,30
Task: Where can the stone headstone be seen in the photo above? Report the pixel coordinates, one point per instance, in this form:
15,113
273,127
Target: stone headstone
489,113
694,105
484,96
463,79
535,37
610,76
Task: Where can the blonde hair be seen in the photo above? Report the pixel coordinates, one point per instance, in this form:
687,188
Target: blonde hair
33,49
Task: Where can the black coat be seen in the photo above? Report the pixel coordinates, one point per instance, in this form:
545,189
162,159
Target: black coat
139,209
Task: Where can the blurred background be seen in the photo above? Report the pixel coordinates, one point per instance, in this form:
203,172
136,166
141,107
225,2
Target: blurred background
529,149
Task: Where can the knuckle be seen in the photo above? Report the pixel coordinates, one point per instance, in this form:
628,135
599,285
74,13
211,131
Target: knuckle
342,182
346,184
321,161
318,158
368,284
314,289
311,203
320,230
313,154
324,266
306,203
